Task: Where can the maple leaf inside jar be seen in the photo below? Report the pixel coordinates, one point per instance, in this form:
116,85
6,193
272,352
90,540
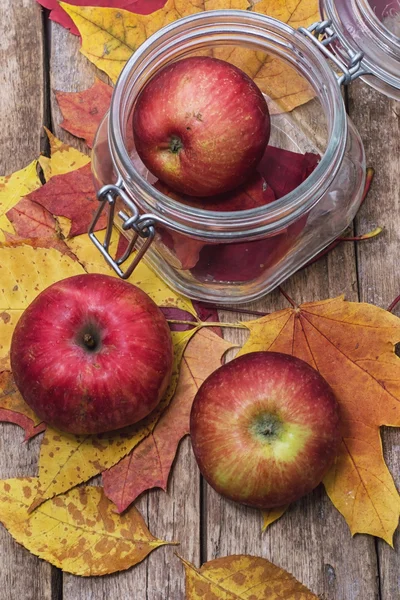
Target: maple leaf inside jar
302,195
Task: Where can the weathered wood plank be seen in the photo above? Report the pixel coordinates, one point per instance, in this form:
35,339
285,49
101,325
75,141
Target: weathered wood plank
22,575
378,120
173,516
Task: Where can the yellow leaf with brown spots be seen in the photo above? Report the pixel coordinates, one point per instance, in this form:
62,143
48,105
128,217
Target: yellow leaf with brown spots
78,532
143,276
63,158
12,189
67,460
24,273
352,345
242,577
110,36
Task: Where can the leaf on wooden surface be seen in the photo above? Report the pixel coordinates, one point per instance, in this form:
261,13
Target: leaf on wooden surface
12,188
67,460
77,532
241,576
11,399
110,36
9,416
71,195
24,272
149,464
83,111
58,15
272,515
143,276
352,345
63,158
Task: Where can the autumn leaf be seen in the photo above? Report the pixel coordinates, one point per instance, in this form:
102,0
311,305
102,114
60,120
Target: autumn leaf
71,195
63,158
67,460
352,345
272,515
9,416
12,189
77,532
24,272
58,15
240,576
83,111
149,464
13,408
110,36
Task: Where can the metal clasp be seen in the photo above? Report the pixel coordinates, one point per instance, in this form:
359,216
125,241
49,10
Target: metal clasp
141,225
349,72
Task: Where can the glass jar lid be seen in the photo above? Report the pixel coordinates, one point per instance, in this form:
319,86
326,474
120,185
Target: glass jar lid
373,28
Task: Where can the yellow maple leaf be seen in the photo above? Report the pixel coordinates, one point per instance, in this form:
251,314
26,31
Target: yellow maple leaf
63,158
77,532
24,273
110,36
242,577
352,345
67,460
12,189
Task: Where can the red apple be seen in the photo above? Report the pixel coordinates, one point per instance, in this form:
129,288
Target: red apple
91,354
265,429
201,125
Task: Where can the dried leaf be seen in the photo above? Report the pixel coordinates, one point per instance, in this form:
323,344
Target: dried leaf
11,399
110,36
143,276
247,577
9,416
77,532
63,158
353,347
58,15
67,460
272,515
12,189
24,272
149,464
83,111
71,195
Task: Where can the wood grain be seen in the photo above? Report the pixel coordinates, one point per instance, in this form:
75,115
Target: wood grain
22,575
378,121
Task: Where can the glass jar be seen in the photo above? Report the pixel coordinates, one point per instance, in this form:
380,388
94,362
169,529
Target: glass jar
372,27
241,255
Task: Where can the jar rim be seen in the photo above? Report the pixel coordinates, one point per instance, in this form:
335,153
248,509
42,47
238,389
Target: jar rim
277,214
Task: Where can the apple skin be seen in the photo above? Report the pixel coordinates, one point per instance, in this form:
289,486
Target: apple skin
265,429
201,126
85,390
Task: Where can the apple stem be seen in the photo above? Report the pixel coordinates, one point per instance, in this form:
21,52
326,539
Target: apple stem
288,298
89,341
394,304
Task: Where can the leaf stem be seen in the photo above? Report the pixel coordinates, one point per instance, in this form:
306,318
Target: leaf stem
201,324
361,238
241,311
394,304
288,298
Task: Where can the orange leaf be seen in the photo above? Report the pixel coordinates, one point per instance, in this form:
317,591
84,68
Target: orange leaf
242,577
272,515
149,464
83,111
71,195
352,345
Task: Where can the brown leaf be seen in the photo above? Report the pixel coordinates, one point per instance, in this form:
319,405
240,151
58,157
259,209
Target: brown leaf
242,577
83,111
149,464
78,531
352,345
71,195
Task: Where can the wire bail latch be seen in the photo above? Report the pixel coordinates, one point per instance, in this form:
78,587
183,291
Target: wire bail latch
142,227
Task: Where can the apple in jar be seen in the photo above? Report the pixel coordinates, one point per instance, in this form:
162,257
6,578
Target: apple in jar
92,354
201,126
265,429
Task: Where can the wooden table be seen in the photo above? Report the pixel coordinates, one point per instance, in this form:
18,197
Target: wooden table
312,540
